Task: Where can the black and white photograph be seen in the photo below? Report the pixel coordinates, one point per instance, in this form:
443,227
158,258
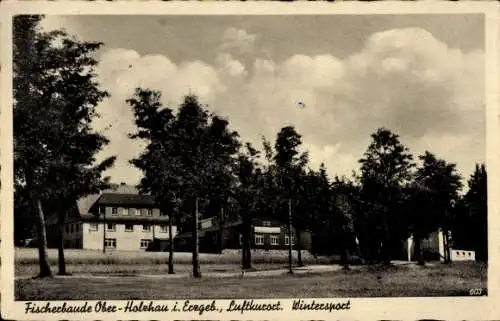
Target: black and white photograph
219,164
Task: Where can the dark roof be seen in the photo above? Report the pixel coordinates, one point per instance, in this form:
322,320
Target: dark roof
125,199
128,219
85,203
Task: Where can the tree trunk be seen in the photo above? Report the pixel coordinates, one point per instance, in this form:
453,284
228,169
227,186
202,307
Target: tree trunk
418,250
345,251
299,248
196,244
222,222
170,247
345,259
43,257
447,254
290,243
60,246
386,246
247,234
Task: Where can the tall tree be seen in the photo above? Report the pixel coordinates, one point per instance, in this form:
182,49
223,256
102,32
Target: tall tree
420,215
159,162
470,220
343,197
436,192
188,160
385,168
55,95
318,192
209,148
290,170
248,193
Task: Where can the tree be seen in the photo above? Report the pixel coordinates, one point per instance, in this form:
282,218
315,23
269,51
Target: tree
385,167
343,198
477,201
55,95
71,181
318,191
470,219
248,193
156,125
208,150
189,157
435,192
290,170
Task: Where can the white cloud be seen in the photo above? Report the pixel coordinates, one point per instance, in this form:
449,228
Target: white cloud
233,68
403,79
238,40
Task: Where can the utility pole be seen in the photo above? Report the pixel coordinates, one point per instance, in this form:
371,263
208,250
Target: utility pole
290,236
196,263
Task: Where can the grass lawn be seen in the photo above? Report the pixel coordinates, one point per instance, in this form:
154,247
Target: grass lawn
28,256
141,262
366,281
136,269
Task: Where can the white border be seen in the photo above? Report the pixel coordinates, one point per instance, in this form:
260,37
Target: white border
374,308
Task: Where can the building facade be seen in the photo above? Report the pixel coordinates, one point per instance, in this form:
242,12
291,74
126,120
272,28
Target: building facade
266,234
118,219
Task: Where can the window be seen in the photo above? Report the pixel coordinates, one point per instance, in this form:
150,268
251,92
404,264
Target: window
163,229
114,211
275,240
129,227
146,228
71,228
287,240
241,239
145,244
259,239
266,223
125,211
111,227
137,211
93,227
110,243
163,213
101,210
150,212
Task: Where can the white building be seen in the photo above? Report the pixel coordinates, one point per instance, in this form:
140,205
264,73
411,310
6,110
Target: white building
118,219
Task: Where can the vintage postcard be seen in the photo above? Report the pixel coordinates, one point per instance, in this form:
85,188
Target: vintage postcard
225,161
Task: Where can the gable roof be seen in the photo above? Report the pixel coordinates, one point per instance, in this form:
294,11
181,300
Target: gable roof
125,199
86,203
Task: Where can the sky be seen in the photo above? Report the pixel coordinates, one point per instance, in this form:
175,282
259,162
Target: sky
421,76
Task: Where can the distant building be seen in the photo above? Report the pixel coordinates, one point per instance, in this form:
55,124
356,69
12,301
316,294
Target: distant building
217,234
120,219
433,248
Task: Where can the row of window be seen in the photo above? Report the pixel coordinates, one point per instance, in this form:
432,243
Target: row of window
111,227
129,211
111,243
72,228
275,239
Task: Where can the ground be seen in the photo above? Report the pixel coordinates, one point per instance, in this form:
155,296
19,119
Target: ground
400,280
